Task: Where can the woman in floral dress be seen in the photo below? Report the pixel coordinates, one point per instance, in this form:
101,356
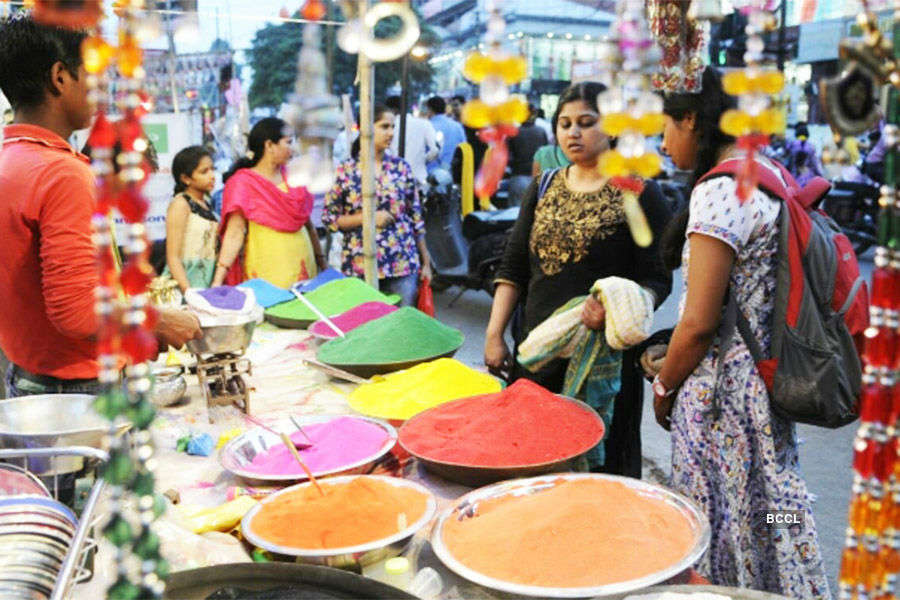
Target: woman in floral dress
403,258
741,463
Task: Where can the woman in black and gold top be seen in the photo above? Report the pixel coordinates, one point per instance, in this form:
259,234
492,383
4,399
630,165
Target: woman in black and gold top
562,243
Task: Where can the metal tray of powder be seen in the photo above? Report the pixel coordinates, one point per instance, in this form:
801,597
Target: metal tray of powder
467,507
366,371
351,556
477,476
241,450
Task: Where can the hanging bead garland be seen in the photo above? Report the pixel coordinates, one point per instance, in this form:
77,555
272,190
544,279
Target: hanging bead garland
129,341
870,563
496,112
682,39
757,117
631,111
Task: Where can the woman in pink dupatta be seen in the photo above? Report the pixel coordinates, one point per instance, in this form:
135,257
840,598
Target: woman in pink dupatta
265,230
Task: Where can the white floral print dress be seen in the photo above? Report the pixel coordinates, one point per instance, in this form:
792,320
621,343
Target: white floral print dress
744,463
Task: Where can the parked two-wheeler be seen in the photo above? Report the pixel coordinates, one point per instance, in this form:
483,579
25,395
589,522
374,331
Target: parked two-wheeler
465,252
854,207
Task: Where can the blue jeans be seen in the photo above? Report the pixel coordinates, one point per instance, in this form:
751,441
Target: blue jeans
407,287
19,384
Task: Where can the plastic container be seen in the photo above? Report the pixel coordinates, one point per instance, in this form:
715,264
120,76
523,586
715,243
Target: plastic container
393,571
427,584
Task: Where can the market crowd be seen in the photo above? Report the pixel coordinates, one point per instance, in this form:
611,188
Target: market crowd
733,456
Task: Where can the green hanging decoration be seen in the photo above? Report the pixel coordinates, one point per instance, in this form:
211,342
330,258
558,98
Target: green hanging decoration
118,531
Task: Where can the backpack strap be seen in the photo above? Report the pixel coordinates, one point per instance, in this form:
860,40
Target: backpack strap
546,179
733,319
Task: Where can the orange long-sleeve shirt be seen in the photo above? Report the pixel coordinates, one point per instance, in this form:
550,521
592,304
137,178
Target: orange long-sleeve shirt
47,265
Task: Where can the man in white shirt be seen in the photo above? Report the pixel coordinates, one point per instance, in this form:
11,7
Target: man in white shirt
421,141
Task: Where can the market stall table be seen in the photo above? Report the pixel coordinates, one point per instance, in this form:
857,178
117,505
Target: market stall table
281,384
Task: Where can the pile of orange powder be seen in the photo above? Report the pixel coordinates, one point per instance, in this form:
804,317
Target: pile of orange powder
580,533
351,513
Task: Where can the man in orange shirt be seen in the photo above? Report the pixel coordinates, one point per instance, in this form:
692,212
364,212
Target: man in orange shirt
47,263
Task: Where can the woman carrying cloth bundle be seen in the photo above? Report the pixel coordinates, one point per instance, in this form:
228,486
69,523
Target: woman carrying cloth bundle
265,229
571,232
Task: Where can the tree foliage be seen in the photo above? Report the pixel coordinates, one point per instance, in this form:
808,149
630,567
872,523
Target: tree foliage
273,57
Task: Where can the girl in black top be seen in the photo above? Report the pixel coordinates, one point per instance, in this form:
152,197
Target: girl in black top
563,242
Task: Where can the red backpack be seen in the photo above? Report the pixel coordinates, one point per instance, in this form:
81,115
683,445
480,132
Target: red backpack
813,371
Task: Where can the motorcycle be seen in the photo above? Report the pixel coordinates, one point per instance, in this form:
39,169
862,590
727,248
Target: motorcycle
854,207
465,252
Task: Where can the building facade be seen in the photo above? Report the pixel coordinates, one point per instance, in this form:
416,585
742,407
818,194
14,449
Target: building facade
197,79
553,35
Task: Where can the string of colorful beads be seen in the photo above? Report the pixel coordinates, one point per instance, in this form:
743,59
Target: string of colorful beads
870,563
496,112
129,471
756,117
631,111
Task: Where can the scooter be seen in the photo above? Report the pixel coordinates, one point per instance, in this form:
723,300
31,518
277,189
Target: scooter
465,252
854,207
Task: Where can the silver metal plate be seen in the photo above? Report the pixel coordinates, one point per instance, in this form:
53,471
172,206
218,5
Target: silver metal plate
240,451
696,519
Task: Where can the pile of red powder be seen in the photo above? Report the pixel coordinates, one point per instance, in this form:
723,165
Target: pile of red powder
524,424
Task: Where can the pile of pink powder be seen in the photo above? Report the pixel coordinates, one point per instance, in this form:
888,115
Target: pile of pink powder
336,444
351,319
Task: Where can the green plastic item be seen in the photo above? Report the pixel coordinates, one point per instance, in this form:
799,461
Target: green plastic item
333,298
404,335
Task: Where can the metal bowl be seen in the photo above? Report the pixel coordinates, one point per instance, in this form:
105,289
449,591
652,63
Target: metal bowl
221,339
697,520
476,476
672,591
169,386
49,421
288,323
198,584
351,556
241,450
36,543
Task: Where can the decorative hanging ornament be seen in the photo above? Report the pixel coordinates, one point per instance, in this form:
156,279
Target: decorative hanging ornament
358,33
630,111
496,111
681,30
314,113
83,14
870,563
756,86
128,342
850,100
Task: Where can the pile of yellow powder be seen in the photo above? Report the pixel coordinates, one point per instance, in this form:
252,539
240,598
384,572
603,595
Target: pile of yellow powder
404,394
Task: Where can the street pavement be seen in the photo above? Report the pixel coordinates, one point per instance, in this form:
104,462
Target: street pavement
826,455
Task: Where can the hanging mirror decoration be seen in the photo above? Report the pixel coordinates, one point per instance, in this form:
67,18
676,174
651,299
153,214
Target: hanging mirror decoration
851,99
630,112
313,111
358,33
756,86
119,166
496,112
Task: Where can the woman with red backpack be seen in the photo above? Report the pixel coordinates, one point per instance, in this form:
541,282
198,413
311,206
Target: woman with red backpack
730,452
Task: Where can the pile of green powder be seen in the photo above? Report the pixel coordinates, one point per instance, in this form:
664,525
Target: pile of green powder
401,336
332,299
